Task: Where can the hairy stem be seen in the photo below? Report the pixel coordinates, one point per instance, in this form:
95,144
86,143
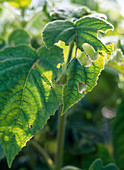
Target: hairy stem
62,123
60,140
43,154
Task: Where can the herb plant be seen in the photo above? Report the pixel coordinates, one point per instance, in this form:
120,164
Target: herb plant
35,83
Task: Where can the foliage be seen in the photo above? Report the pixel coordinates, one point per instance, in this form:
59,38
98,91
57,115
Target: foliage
82,31
39,78
18,85
97,165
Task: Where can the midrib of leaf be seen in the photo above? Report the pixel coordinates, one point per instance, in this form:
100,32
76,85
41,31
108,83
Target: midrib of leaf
24,86
58,33
88,26
33,65
25,99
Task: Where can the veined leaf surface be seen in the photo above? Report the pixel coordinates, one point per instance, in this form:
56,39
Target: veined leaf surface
82,31
28,94
80,80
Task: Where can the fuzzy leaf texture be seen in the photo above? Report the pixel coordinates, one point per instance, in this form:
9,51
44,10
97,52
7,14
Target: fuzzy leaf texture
81,31
28,94
98,165
81,80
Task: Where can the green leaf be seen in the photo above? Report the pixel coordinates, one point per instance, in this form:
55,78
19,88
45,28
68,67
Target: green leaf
111,166
19,37
28,94
82,31
80,80
97,165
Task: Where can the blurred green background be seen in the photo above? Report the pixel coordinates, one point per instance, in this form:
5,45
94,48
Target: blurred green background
95,124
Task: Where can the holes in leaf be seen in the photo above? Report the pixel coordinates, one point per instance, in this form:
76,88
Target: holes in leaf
59,65
85,60
90,51
30,126
81,87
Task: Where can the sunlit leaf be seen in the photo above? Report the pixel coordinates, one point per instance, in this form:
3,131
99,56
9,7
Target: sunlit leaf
80,80
28,94
82,31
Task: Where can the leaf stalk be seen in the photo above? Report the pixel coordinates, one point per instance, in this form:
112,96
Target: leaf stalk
62,122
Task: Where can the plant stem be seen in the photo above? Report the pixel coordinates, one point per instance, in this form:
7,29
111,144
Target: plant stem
64,77
44,154
60,140
23,16
62,123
